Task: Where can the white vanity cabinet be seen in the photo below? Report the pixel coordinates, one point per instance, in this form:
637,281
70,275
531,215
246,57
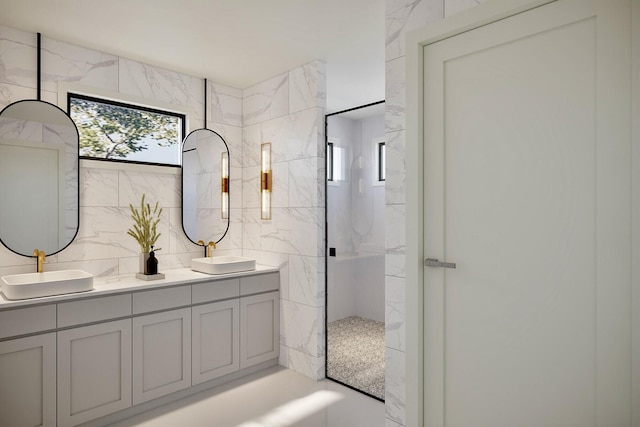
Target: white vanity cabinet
216,340
28,366
259,328
216,329
85,357
28,381
161,354
93,358
161,342
259,319
94,371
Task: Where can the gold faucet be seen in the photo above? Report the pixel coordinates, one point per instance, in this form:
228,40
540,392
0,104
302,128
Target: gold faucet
201,243
209,246
41,257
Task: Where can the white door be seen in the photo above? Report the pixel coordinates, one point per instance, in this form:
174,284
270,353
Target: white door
527,190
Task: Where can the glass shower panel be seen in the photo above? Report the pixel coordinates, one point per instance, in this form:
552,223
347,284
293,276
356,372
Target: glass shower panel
355,248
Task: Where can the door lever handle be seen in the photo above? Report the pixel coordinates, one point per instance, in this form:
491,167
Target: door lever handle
431,262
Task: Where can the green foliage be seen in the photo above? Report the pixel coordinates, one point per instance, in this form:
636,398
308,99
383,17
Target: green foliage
110,131
145,228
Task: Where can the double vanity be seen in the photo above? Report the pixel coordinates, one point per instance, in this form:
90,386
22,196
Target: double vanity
128,345
77,349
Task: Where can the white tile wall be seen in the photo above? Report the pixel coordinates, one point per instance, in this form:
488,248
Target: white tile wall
288,111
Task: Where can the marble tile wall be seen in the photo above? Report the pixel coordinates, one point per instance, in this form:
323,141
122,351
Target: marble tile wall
402,16
288,111
101,245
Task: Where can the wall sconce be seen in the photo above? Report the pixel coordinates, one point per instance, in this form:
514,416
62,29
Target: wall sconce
266,183
224,185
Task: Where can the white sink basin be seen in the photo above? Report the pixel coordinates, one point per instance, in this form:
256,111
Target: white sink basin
33,285
223,264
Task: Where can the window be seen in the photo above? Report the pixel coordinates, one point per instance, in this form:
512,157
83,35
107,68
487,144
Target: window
117,131
335,162
330,161
380,174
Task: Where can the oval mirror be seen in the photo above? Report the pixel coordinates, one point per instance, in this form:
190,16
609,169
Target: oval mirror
39,194
205,186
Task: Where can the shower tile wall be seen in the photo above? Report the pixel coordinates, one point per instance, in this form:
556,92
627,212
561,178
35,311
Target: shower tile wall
402,16
287,110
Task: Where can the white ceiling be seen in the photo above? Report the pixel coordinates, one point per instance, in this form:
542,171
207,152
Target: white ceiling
233,42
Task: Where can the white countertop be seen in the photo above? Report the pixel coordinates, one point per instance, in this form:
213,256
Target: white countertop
128,283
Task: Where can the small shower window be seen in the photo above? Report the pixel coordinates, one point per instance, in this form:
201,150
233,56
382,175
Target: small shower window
335,162
115,131
380,166
381,161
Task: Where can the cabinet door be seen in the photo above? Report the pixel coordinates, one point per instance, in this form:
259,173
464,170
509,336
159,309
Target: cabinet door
161,354
94,371
28,381
259,328
216,340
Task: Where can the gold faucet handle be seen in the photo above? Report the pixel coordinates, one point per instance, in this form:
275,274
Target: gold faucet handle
201,242
36,252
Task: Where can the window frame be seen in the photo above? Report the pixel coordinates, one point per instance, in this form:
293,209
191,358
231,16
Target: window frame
379,174
189,113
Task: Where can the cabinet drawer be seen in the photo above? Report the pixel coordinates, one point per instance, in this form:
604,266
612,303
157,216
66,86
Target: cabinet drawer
259,283
213,291
27,320
93,310
161,299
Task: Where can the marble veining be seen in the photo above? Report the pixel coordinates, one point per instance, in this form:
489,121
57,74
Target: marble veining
131,186
99,187
225,104
139,79
13,93
303,182
281,185
395,395
403,16
396,168
395,98
18,129
299,327
17,57
293,231
266,100
64,62
395,313
454,6
304,286
307,86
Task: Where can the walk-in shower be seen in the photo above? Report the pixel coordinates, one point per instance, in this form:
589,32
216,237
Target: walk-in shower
355,248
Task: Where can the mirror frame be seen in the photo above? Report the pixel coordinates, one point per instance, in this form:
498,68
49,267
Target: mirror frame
182,183
75,234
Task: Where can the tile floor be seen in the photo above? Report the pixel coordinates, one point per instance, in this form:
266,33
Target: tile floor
275,397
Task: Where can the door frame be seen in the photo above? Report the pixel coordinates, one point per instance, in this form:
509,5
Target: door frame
467,20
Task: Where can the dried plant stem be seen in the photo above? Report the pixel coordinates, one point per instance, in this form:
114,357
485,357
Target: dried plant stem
145,229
